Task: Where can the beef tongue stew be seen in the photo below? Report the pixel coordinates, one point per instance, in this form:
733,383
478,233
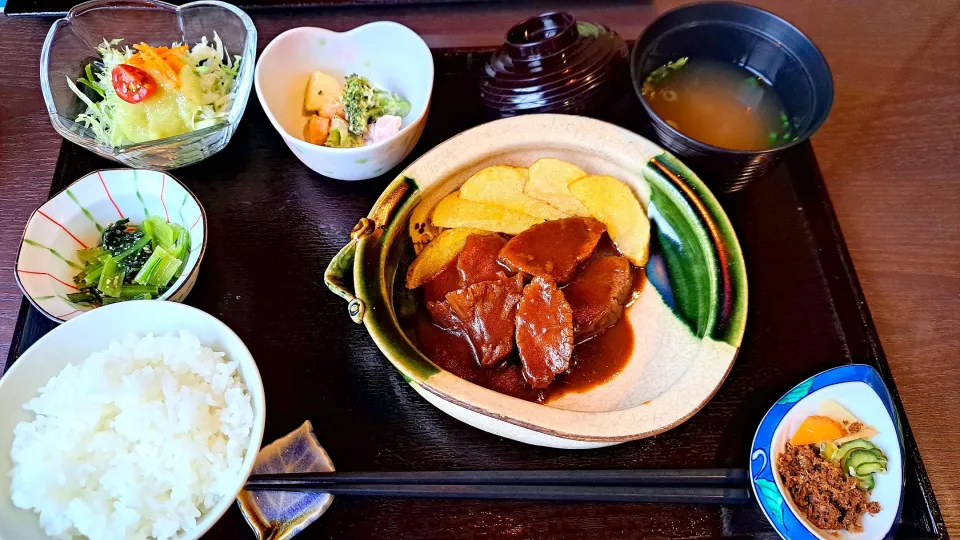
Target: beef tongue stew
599,294
522,278
485,314
534,315
478,260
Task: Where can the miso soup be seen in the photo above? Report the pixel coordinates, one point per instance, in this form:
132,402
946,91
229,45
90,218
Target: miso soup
718,103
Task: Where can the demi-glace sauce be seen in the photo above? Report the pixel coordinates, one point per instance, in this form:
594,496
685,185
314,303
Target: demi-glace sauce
602,357
594,361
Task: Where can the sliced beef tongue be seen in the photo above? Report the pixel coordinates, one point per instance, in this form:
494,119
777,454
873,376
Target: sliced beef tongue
553,249
544,332
598,294
447,280
485,313
478,260
443,316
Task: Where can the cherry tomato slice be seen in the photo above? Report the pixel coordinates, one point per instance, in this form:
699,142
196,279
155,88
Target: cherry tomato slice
132,84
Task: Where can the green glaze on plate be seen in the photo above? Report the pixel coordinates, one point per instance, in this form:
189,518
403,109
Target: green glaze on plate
702,251
688,325
400,199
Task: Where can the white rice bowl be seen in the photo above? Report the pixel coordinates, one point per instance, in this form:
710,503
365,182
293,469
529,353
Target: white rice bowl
137,441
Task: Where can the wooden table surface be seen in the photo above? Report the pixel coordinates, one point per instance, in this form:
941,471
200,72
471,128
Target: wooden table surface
888,152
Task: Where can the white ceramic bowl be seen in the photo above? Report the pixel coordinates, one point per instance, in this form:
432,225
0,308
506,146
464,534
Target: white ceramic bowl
76,340
73,218
389,54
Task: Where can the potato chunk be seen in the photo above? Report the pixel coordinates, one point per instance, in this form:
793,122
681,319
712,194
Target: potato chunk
454,212
613,202
503,185
323,91
548,181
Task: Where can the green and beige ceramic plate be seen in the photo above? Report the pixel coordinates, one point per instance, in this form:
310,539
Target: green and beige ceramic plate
688,325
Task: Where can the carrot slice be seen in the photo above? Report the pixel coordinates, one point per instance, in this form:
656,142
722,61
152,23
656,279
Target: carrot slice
816,429
318,129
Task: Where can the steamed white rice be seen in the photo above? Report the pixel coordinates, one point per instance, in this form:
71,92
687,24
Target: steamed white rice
138,441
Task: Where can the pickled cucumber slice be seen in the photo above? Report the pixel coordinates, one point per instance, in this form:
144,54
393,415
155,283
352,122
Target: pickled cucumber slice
849,446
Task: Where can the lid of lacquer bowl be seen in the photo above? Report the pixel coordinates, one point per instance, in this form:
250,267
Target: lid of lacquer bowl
552,63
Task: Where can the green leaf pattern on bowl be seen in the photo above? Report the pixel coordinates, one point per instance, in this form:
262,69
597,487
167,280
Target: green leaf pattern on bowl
772,498
797,393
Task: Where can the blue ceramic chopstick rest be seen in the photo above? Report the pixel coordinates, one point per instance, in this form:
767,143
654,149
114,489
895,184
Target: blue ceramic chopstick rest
281,515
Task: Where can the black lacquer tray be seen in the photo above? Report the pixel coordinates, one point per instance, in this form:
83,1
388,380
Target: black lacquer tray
274,225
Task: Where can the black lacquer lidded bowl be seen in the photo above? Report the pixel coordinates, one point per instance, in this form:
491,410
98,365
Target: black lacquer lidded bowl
552,63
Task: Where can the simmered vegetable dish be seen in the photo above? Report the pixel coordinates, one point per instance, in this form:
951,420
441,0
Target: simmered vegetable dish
132,263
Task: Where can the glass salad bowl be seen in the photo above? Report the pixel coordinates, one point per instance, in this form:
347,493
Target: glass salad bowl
71,45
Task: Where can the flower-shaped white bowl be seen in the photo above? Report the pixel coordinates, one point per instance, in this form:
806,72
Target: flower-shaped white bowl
73,219
72,43
389,54
75,341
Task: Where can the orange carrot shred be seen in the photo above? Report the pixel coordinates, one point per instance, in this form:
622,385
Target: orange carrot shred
154,58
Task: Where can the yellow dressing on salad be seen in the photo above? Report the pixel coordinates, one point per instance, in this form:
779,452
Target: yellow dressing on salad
170,111
189,89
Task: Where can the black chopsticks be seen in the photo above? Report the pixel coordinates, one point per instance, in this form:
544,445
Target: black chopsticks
684,486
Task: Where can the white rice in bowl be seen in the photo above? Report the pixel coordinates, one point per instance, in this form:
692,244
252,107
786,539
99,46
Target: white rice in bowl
138,441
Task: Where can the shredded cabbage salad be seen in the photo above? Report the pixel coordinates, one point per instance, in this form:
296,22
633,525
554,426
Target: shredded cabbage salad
194,88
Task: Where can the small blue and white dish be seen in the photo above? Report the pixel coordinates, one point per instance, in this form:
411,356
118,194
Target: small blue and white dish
859,389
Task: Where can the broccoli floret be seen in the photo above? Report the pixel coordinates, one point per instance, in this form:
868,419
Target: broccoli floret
358,102
363,103
340,136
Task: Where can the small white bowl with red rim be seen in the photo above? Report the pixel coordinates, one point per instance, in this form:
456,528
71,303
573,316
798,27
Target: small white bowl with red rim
74,218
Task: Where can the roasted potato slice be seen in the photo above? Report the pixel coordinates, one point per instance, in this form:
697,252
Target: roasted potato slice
420,228
455,211
614,203
548,181
437,254
503,185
